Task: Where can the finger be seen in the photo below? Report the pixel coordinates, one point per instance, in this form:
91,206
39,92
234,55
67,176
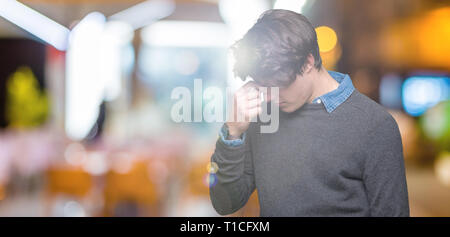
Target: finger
252,95
252,89
251,113
241,100
250,84
253,103
243,103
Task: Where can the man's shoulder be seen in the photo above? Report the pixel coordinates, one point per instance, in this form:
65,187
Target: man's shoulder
370,113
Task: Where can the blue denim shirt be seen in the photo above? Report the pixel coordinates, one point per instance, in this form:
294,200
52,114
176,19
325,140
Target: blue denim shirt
330,100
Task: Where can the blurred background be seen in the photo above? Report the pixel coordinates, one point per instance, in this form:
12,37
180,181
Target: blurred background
85,97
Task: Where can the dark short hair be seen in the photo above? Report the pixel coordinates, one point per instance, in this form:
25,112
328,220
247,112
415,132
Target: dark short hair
274,51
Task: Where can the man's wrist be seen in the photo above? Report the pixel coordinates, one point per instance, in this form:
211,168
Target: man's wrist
233,134
223,134
232,137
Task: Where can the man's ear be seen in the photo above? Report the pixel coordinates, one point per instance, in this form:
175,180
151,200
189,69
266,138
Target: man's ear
309,64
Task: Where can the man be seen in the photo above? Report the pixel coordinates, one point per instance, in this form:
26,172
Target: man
336,152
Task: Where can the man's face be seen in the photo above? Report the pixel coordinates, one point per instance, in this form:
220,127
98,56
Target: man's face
293,96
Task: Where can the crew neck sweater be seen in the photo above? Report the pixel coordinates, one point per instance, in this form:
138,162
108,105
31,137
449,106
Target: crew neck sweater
345,163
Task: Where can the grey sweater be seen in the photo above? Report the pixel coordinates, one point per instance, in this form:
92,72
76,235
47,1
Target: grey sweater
345,163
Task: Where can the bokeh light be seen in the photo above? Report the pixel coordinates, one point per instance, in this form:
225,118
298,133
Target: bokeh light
326,38
436,123
423,92
73,209
212,167
210,179
75,154
442,168
292,5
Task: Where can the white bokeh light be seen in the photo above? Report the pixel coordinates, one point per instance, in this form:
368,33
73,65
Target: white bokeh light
292,5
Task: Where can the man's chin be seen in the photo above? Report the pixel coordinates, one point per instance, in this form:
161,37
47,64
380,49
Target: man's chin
286,109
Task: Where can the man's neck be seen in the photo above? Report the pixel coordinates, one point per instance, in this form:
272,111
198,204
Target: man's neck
323,83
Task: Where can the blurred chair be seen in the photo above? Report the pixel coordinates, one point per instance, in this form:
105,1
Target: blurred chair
2,192
197,180
67,181
127,192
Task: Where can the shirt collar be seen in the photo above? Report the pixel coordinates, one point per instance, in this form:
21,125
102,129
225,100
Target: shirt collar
333,99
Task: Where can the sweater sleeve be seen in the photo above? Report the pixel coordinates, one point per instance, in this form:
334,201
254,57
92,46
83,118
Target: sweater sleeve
235,180
223,134
384,171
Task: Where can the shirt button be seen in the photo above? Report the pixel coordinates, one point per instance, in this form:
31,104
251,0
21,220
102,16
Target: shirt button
319,101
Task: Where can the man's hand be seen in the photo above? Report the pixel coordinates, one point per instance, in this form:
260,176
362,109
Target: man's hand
247,105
